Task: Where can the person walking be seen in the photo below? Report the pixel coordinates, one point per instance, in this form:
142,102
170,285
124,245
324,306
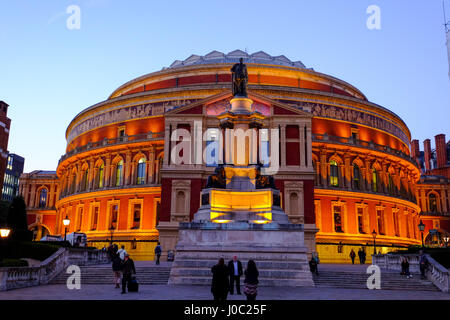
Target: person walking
110,252
235,269
220,281
128,270
121,252
405,268
158,251
251,281
423,264
363,255
360,256
117,267
352,256
313,265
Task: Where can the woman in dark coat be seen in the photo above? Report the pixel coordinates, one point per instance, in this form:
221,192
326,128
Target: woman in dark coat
117,268
251,280
220,282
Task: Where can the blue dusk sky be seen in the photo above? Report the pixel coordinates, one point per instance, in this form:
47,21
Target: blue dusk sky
49,73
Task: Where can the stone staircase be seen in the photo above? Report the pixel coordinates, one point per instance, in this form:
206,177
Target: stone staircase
271,273
346,278
102,274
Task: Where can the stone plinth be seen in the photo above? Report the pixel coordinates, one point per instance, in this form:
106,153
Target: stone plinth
277,249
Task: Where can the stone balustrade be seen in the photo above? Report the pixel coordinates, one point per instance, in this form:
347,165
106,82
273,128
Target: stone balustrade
20,277
435,272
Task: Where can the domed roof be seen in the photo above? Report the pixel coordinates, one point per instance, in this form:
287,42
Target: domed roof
259,57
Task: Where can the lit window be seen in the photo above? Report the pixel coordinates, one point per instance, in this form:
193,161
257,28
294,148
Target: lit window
356,177
432,202
380,221
119,170
136,215
374,180
141,171
396,227
80,218
43,198
361,228
100,174
95,219
85,182
334,175
114,214
337,219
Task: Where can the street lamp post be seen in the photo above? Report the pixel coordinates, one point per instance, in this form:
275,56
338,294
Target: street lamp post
111,229
66,222
374,235
421,228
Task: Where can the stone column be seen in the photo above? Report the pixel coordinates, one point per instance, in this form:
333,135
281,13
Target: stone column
51,196
107,171
33,195
309,144
324,169
301,130
127,166
167,145
151,165
348,172
283,146
443,200
91,174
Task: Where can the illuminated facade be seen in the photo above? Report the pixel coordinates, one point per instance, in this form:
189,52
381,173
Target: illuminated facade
433,189
115,178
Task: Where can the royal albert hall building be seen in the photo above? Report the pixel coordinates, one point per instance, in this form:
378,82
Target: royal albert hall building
115,181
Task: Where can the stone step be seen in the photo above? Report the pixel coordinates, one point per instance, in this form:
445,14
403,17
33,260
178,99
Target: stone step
277,274
390,280
260,264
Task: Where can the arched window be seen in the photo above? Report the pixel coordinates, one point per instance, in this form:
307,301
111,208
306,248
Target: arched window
43,198
391,184
374,180
334,176
432,202
141,171
119,170
100,175
356,177
85,182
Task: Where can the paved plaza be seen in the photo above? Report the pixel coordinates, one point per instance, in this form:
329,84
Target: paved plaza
166,292
183,292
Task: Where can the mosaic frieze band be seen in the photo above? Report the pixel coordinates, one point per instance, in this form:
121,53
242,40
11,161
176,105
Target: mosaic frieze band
159,108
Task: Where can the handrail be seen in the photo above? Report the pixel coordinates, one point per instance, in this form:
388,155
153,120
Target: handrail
361,143
149,136
435,272
20,277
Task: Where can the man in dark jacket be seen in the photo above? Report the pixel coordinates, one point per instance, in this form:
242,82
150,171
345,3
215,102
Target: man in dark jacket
158,251
127,270
235,270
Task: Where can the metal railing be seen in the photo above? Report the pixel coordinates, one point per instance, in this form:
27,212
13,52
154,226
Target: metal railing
350,141
149,136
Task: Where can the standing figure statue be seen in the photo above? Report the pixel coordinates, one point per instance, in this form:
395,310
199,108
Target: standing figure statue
239,78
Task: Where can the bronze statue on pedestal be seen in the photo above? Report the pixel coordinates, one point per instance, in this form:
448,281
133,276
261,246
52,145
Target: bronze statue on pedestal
239,78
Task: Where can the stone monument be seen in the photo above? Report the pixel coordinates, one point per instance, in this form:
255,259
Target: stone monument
240,212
